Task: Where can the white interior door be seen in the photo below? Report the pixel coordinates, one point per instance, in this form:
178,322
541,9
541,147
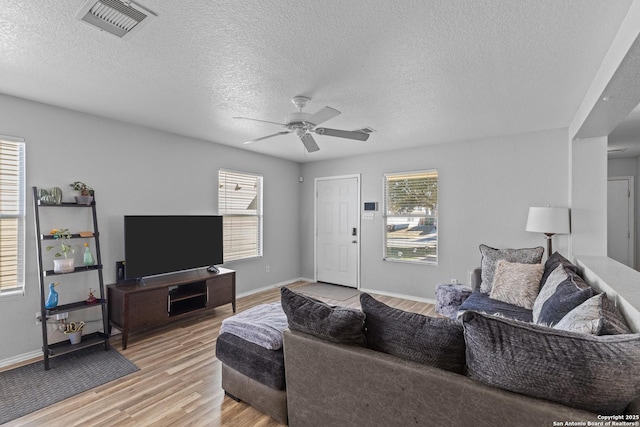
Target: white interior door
620,220
338,230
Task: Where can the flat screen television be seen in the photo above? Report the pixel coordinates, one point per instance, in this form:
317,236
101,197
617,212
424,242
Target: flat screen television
158,244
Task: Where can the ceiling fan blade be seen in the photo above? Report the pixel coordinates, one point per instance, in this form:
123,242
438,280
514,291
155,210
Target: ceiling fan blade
360,136
258,120
284,132
323,115
309,143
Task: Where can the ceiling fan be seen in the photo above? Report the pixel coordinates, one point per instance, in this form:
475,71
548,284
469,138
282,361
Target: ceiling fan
302,124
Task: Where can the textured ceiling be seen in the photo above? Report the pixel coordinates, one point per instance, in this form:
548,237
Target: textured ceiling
419,72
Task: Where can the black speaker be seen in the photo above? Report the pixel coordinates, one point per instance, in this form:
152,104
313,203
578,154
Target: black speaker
120,271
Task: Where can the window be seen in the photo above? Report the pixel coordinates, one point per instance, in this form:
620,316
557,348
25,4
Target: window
12,216
411,216
240,202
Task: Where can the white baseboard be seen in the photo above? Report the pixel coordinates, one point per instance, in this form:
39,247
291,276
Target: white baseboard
395,295
38,353
21,358
367,290
275,285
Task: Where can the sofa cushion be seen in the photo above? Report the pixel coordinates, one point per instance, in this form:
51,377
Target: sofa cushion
553,262
600,374
598,316
338,324
253,360
478,301
566,296
428,340
516,283
490,257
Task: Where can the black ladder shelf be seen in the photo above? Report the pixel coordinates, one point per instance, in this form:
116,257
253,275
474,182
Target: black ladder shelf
96,338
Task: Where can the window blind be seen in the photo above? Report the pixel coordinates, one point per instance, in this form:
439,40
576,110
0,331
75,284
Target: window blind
12,217
240,203
411,216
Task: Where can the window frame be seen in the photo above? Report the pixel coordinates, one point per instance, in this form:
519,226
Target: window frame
222,210
18,212
386,178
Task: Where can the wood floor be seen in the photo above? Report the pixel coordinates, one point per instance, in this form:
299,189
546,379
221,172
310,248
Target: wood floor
178,383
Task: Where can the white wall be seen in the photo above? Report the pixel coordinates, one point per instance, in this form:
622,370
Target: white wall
485,187
628,167
621,167
589,197
136,170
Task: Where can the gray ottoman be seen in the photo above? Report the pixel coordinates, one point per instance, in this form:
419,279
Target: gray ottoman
449,298
250,349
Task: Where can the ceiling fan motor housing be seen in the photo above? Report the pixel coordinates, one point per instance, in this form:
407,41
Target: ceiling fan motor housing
296,118
303,124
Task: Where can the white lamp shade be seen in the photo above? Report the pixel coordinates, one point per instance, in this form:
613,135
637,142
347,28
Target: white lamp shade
548,220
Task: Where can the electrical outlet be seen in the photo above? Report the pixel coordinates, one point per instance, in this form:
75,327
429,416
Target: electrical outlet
267,269
62,316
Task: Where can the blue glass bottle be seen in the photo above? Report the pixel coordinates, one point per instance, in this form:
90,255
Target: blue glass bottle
52,300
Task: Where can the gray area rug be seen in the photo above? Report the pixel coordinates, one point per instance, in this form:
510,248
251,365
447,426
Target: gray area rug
325,290
28,388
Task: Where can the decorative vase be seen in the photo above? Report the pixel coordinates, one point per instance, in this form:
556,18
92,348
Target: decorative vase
75,337
92,299
84,200
88,257
63,265
52,196
52,300
56,193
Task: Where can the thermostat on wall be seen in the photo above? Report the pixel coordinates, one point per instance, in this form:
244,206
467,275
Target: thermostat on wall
370,206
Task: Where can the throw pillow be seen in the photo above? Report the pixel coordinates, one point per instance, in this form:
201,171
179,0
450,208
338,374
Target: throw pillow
569,294
598,316
490,257
428,340
516,283
614,322
337,324
553,262
557,276
597,374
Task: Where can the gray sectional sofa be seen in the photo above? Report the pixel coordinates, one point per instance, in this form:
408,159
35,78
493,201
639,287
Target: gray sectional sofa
481,370
330,384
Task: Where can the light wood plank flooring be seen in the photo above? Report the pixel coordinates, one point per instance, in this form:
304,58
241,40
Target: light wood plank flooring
178,383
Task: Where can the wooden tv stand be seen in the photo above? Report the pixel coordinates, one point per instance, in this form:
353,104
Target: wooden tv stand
159,300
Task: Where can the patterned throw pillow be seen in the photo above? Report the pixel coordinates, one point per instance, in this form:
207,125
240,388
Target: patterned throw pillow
490,257
598,316
553,262
428,340
337,324
516,283
557,276
568,294
597,374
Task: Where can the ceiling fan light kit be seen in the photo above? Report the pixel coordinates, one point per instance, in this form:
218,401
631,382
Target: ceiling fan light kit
302,124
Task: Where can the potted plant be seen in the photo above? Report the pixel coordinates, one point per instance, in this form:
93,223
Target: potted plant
86,192
63,264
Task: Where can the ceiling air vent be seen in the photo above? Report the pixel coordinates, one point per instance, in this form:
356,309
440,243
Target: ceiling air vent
115,17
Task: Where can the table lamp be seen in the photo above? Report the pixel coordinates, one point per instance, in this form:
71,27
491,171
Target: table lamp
549,221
